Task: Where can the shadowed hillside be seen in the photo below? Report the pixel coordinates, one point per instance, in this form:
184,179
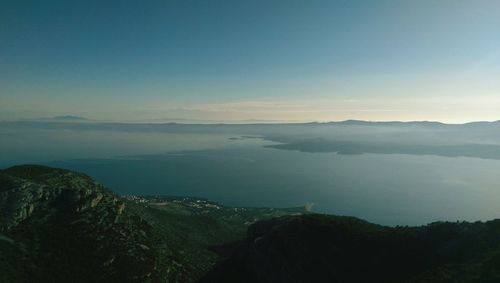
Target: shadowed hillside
323,248
61,226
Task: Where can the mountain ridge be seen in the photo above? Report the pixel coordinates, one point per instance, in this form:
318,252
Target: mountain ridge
350,122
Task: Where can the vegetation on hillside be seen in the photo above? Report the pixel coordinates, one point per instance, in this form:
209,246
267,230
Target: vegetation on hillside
61,226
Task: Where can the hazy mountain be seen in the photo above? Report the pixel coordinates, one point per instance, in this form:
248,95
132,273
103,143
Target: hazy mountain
63,118
69,118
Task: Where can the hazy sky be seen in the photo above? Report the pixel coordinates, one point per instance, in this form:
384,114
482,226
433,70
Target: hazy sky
239,60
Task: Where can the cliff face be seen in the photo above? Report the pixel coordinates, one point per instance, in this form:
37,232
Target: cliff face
58,225
29,188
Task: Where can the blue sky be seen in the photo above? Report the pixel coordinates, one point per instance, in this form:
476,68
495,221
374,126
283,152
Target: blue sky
244,60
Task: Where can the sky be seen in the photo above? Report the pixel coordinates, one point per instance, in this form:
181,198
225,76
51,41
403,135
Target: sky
233,61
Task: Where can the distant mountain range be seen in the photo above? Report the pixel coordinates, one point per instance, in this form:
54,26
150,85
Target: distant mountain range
61,226
69,118
73,118
65,118
401,123
476,139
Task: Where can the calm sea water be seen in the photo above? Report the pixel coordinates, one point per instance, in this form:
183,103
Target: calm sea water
388,189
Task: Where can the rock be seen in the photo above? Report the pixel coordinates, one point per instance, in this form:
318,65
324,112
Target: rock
65,220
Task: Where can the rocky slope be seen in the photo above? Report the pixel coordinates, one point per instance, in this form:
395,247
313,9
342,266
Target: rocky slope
61,226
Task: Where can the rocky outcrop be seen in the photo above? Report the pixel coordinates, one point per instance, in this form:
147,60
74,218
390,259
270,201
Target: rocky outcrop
61,226
68,228
26,189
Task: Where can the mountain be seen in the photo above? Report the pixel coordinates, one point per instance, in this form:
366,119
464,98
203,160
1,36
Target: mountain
325,248
61,119
387,123
61,226
69,118
65,118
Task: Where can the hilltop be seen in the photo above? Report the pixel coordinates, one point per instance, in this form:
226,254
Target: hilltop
62,226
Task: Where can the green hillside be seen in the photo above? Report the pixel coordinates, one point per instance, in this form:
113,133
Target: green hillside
62,226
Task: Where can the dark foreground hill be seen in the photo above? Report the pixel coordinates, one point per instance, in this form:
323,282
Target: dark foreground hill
322,248
61,226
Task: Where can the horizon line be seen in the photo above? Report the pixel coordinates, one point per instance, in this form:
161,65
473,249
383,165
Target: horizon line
79,119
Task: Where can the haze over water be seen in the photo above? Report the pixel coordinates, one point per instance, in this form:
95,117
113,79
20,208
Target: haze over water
85,85
393,189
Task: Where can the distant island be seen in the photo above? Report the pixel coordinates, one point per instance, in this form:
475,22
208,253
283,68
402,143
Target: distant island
69,118
350,137
65,118
246,123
